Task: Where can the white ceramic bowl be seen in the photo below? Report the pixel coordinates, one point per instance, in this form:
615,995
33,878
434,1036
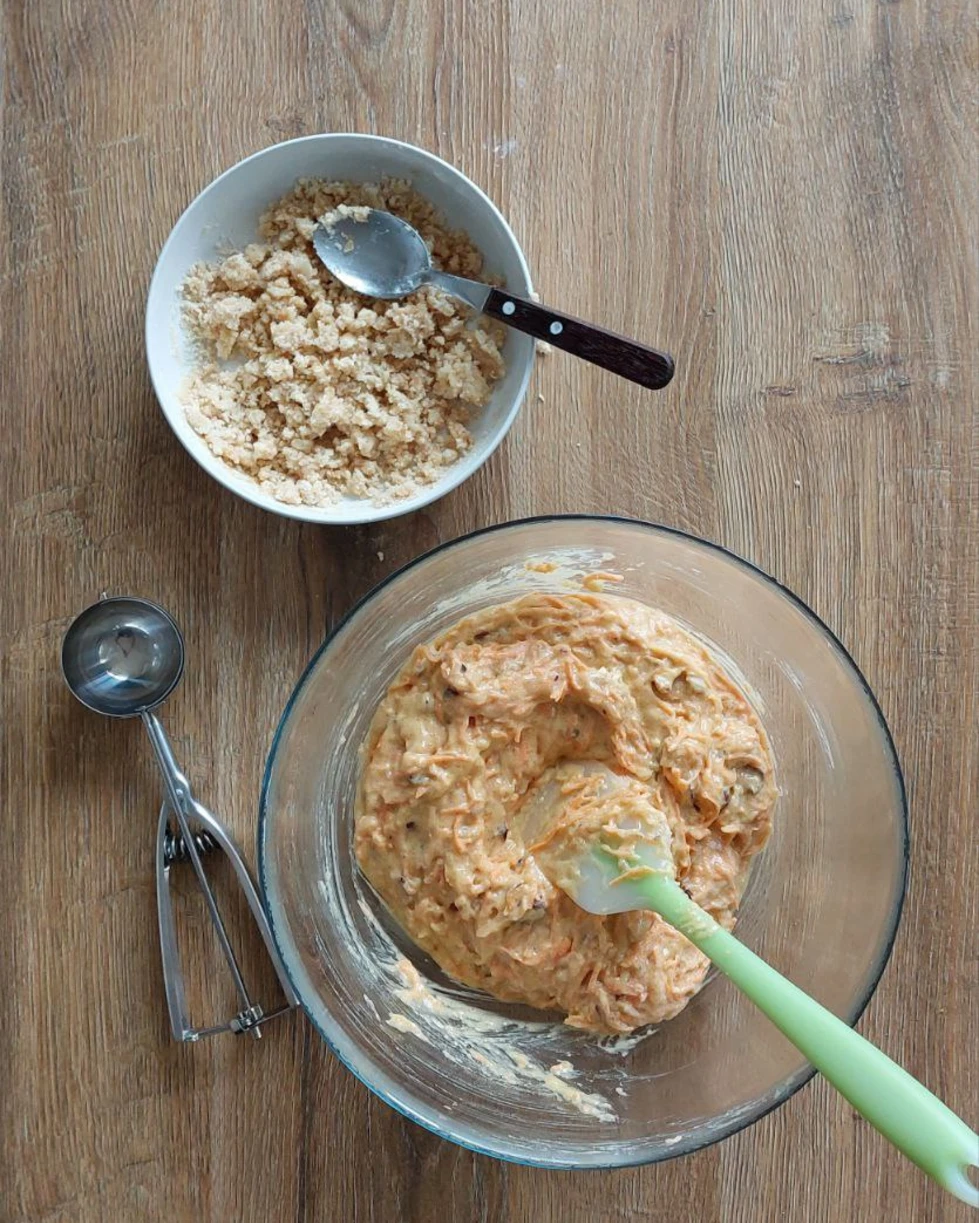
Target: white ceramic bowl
226,214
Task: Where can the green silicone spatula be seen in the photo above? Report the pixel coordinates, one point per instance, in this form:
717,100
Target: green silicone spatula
595,836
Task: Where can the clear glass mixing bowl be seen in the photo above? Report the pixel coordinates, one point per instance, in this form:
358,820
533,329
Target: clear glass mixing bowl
822,904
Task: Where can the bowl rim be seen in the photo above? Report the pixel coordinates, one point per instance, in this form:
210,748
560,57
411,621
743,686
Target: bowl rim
320,515
790,1086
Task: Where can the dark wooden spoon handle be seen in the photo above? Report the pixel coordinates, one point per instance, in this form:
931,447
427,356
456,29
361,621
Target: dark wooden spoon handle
613,352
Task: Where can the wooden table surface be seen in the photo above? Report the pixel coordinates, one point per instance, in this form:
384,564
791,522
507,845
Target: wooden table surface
783,195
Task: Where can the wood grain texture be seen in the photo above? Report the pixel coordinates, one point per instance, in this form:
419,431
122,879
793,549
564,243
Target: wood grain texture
783,197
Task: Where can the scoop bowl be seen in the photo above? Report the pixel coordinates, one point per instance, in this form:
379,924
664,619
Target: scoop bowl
122,657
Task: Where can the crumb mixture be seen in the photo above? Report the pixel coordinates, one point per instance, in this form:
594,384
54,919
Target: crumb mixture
478,717
316,392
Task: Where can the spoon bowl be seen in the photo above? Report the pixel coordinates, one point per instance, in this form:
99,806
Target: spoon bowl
378,255
122,657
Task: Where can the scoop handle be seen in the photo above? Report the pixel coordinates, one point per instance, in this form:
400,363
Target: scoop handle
627,358
181,802
897,1105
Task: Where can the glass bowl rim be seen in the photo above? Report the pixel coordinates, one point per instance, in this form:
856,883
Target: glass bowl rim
742,1120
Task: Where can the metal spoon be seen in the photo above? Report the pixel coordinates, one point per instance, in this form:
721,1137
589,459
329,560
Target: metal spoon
122,658
598,837
377,254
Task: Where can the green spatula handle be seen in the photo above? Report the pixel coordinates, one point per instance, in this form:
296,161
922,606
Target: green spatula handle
897,1105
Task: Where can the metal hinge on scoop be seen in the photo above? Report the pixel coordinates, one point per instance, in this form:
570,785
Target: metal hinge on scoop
172,847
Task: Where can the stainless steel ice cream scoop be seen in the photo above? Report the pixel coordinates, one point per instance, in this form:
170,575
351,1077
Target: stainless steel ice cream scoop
122,658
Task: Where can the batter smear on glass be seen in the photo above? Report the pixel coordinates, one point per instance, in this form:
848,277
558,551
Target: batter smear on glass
473,721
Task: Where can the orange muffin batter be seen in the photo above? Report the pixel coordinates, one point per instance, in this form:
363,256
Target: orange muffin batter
477,716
